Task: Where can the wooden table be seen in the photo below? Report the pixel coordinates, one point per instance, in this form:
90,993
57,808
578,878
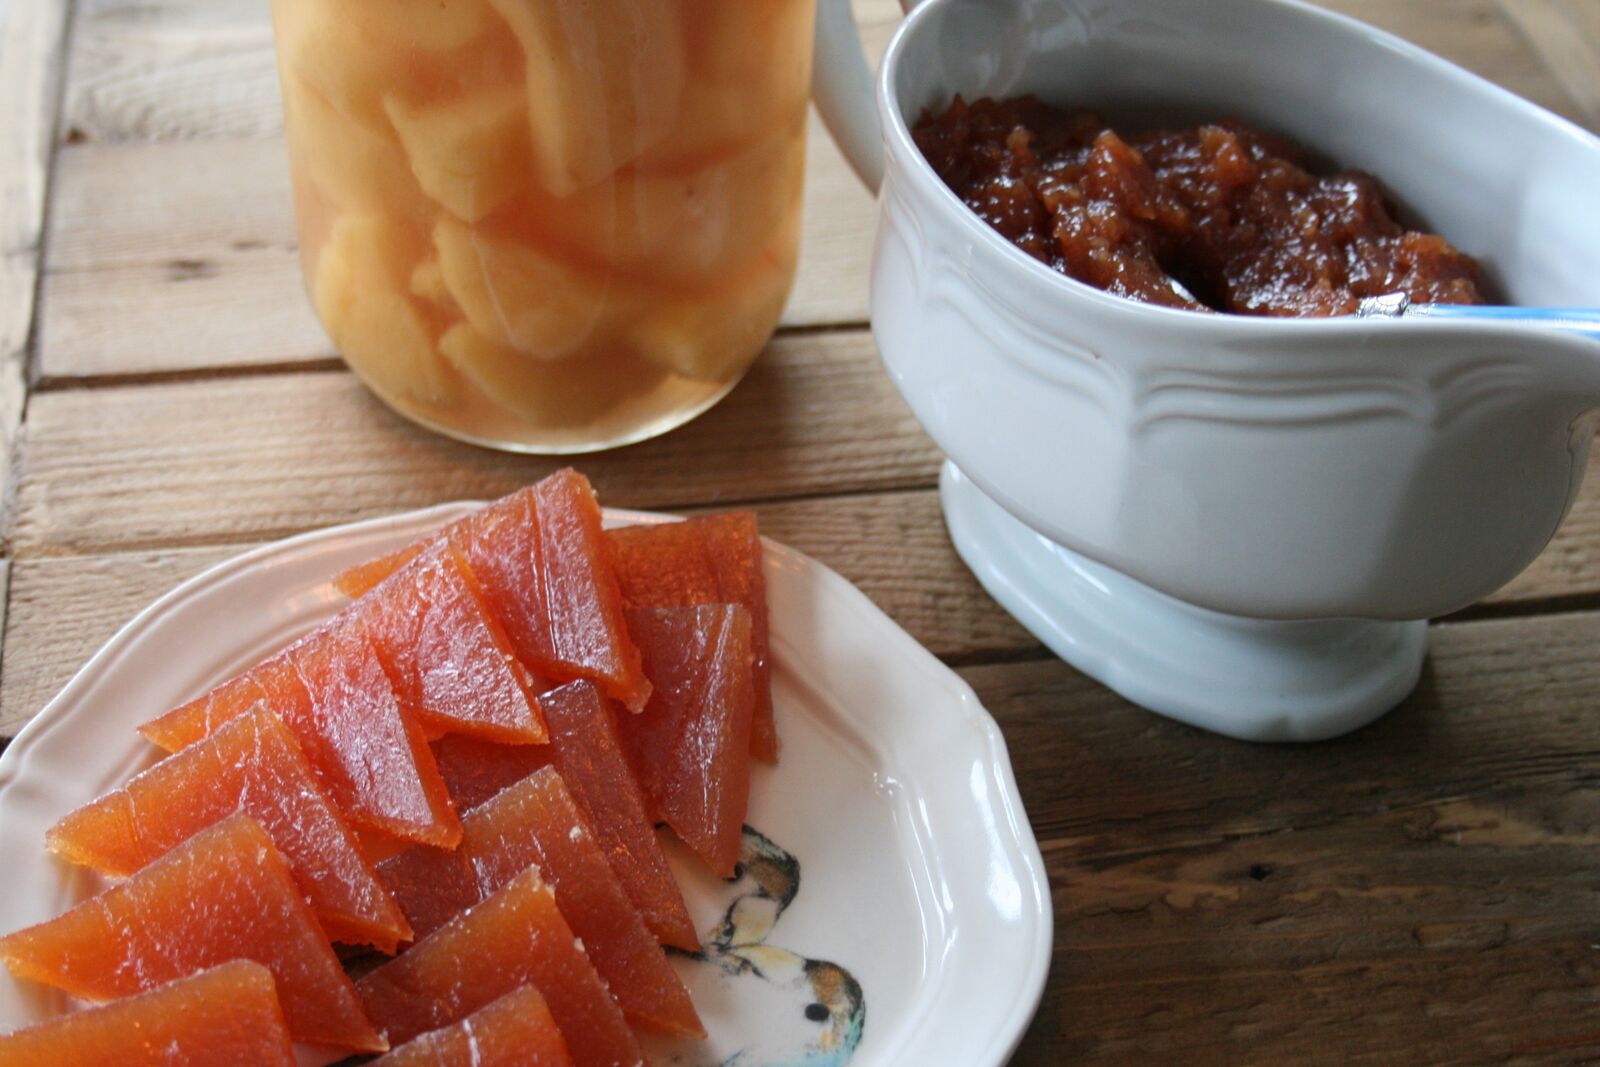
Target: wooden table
1421,892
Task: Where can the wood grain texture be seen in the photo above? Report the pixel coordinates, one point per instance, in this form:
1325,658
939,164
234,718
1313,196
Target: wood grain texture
1475,34
173,256
1566,35
167,70
31,43
251,458
1426,884
62,611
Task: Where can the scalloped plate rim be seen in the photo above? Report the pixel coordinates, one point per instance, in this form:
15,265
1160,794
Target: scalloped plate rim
1035,929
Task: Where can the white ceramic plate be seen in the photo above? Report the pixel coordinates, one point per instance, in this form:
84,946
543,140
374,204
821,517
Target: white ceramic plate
917,872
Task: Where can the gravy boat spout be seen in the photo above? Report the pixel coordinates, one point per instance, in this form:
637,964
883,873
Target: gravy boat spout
1567,375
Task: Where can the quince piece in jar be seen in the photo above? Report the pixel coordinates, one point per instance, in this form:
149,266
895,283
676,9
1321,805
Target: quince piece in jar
320,43
427,282
692,226
469,154
604,81
360,295
544,392
426,25
519,296
713,336
749,72
355,168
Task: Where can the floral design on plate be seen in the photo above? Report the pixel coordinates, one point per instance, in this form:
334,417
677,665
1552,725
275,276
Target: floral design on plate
813,1011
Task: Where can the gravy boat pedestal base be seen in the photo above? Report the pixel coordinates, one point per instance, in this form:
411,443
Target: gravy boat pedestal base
1253,679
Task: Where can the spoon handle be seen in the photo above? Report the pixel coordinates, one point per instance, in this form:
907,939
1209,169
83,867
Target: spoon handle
1585,321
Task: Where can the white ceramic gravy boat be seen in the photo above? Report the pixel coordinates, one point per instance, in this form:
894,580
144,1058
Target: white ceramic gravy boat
1231,519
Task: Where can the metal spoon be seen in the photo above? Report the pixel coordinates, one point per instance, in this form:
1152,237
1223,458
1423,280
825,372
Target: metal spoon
1585,321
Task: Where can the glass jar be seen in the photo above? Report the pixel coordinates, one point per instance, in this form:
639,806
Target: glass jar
547,225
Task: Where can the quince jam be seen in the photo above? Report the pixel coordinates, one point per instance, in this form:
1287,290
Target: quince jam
1215,218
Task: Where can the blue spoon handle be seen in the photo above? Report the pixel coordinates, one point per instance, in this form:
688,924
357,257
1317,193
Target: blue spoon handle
1585,321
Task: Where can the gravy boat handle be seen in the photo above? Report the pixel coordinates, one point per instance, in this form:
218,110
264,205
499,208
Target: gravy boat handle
843,88
1584,321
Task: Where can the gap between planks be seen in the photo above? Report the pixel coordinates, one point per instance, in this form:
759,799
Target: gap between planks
312,365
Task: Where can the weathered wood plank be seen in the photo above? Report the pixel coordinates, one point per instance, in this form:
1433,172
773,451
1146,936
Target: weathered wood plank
891,545
831,283
1427,883
31,45
1502,702
172,256
166,70
239,459
1566,36
183,256
1585,19
137,203
1475,34
62,611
